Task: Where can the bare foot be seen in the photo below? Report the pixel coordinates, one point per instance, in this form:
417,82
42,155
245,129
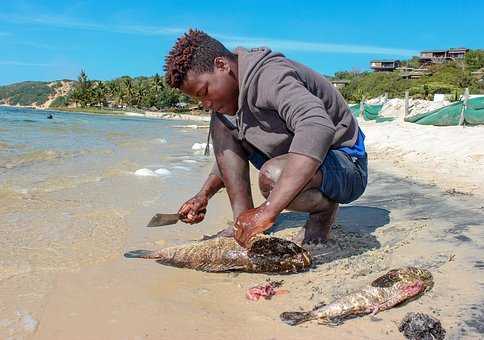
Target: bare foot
317,227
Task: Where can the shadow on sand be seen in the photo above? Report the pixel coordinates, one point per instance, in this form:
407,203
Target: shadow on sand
352,234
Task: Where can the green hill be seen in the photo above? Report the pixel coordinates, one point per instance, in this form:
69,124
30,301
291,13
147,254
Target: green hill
451,77
26,93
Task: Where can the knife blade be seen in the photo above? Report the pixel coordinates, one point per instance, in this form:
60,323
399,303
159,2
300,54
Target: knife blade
163,219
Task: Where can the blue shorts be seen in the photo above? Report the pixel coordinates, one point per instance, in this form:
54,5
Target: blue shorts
344,177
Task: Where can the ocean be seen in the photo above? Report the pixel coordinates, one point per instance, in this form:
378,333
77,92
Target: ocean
74,189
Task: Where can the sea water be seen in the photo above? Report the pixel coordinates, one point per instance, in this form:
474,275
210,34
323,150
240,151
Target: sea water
74,188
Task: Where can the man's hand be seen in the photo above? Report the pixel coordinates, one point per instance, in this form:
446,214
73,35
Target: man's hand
193,211
252,222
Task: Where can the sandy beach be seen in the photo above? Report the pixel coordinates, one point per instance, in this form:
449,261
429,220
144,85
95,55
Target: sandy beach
423,207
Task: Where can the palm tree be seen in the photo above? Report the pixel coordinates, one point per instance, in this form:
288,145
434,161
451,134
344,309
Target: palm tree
127,91
84,89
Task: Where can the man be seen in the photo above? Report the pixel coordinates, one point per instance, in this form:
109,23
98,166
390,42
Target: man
284,118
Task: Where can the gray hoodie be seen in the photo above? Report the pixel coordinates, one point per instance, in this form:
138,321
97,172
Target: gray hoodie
287,107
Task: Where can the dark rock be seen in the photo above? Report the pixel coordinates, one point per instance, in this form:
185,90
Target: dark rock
419,326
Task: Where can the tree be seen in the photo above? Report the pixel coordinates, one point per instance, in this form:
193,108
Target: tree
474,59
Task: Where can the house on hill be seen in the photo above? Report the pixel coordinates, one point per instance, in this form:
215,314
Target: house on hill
384,65
441,56
339,83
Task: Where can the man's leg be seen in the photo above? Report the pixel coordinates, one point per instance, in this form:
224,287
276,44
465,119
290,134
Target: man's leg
322,211
234,167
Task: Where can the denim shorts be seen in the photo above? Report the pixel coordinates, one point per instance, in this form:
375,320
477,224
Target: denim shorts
344,177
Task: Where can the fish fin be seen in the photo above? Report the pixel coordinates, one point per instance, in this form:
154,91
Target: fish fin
319,306
296,318
373,310
141,254
331,322
223,270
209,268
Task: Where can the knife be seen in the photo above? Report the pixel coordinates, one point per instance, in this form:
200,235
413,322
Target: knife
160,220
163,219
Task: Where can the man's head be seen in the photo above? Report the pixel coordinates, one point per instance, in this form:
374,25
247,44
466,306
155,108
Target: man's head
203,68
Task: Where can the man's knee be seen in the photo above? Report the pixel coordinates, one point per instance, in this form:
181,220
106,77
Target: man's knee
270,172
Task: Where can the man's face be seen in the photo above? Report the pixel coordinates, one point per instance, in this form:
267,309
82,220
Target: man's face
217,90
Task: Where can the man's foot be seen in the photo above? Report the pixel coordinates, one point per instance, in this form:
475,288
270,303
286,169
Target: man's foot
227,232
317,227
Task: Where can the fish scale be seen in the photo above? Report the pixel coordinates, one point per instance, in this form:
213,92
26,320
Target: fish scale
387,291
264,255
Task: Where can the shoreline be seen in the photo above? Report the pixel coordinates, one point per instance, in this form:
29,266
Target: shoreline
167,115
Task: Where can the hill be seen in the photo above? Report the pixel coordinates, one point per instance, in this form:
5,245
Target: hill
34,93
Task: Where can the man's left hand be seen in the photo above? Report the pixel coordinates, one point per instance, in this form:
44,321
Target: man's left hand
252,222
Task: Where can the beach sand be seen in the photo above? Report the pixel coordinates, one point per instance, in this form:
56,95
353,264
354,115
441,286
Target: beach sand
416,211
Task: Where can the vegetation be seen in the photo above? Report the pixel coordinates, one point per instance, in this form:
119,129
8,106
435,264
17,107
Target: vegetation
449,78
152,93
124,92
25,93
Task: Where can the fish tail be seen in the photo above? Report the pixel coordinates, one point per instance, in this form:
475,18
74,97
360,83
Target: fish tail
296,318
145,254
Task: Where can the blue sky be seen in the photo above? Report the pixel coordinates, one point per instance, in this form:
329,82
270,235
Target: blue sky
46,40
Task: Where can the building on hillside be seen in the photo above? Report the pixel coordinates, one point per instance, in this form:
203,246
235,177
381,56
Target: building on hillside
384,65
412,73
339,83
441,56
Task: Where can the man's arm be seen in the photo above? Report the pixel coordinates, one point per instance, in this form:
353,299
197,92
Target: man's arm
193,210
281,90
298,172
211,186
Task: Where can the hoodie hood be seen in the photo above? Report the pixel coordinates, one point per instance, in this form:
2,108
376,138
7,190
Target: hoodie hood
249,63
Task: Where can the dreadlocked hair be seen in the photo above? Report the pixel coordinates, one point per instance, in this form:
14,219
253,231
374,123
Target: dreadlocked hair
194,51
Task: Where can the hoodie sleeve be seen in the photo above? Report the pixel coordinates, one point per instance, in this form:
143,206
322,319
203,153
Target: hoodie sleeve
280,89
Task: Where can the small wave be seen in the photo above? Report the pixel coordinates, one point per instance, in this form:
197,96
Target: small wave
162,172
31,157
161,140
199,148
150,173
144,172
189,161
179,167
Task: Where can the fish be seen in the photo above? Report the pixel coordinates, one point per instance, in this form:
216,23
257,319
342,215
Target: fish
265,254
385,292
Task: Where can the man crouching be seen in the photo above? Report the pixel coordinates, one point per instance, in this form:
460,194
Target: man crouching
285,119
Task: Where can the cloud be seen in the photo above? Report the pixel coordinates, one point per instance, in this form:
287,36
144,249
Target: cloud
229,40
316,47
63,22
22,63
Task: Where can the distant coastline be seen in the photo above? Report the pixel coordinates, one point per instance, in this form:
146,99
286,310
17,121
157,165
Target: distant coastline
200,116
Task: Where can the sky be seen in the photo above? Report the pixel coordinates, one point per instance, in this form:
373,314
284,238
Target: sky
50,40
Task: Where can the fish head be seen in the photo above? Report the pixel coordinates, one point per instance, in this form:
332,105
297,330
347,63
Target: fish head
404,276
272,254
296,318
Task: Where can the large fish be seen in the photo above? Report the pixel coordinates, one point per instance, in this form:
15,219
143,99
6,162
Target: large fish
264,255
391,289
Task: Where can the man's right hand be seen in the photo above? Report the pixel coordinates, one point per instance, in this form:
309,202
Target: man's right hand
193,211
